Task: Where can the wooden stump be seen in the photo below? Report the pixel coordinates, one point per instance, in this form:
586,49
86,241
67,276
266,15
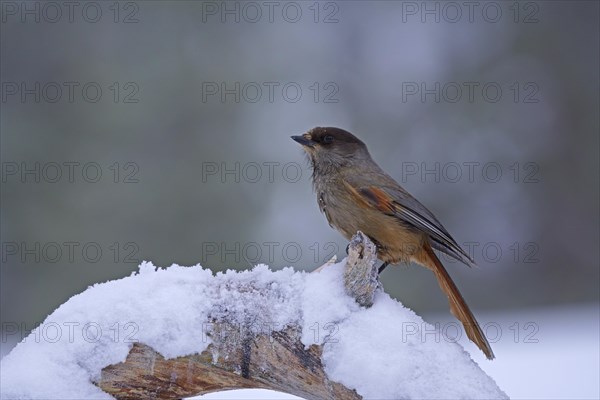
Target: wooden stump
277,361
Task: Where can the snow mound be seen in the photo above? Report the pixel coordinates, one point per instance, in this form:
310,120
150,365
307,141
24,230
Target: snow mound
377,351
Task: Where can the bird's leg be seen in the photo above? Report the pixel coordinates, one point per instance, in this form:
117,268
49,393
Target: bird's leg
382,267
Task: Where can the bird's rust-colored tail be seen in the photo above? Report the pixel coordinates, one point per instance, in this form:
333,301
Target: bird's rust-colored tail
458,306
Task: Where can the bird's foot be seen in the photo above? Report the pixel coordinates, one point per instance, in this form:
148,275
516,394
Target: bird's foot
382,267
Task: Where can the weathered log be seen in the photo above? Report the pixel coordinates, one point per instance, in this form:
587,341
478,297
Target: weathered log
238,359
360,275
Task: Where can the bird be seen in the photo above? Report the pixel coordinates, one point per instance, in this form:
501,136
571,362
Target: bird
355,194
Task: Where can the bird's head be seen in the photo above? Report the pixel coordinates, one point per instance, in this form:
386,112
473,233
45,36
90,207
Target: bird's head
332,147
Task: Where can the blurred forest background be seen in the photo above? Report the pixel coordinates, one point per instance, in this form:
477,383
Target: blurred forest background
195,169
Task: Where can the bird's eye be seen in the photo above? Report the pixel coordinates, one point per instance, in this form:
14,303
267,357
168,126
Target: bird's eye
328,139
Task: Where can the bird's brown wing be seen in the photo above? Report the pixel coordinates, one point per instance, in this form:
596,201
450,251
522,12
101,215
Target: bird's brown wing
376,197
395,201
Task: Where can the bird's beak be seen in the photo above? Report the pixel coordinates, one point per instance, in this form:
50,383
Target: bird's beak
304,140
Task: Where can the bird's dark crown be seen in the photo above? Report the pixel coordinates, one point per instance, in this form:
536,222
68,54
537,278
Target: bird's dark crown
330,135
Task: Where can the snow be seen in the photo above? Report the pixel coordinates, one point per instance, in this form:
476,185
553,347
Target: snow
550,352
559,359
376,351
410,364
324,305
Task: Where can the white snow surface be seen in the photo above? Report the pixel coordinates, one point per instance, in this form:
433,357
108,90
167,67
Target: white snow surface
385,351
